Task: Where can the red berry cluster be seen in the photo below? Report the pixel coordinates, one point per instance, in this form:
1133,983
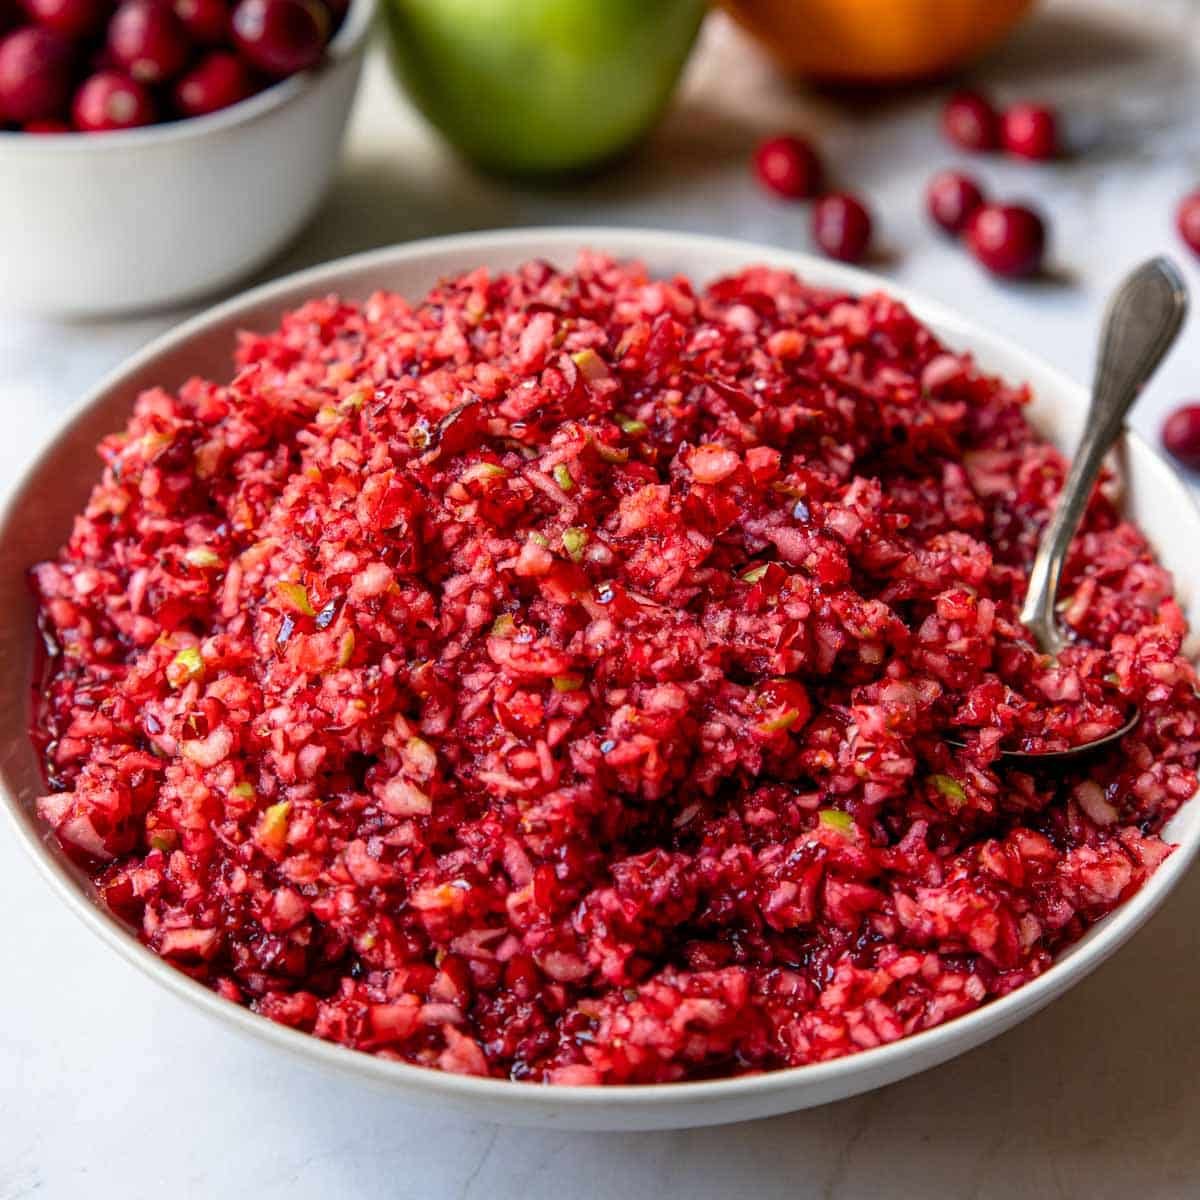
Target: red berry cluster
790,167
971,121
1008,239
97,65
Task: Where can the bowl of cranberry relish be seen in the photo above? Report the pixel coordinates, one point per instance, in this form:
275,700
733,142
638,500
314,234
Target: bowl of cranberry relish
524,677
155,152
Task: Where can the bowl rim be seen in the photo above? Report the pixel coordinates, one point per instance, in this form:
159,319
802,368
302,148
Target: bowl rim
344,45
938,1043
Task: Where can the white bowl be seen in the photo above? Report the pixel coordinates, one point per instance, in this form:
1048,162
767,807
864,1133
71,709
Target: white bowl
147,218
37,518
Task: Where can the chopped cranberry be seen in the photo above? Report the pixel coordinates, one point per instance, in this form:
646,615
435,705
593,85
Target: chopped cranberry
671,838
35,74
952,198
1030,131
281,37
206,21
46,125
147,40
784,704
970,121
1187,220
841,226
110,101
1181,435
71,18
789,167
215,82
1008,239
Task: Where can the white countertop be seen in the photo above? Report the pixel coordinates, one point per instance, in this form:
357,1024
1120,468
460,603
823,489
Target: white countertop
111,1089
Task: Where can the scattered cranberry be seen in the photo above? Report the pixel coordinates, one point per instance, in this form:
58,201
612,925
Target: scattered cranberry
970,121
789,167
215,82
841,226
1187,220
148,40
71,18
206,21
281,37
46,125
109,101
1030,131
1181,435
952,198
1008,239
35,75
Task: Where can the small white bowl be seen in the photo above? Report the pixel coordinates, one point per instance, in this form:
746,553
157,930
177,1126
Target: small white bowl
37,518
148,218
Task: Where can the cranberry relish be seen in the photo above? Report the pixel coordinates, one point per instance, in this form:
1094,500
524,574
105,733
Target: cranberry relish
553,681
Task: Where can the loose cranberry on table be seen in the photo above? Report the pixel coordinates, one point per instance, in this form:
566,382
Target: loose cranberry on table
789,167
71,18
1030,131
1008,239
281,37
952,198
35,75
206,21
110,101
1187,220
969,120
841,226
148,41
1181,435
216,82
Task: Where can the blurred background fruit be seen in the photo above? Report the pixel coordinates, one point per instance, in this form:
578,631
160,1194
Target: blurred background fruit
876,41
541,86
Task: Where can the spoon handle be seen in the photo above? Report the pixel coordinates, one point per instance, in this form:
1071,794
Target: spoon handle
1140,325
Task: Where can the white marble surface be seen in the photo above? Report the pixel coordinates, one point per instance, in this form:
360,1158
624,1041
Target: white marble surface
112,1090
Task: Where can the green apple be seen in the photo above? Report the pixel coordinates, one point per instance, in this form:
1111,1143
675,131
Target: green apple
541,86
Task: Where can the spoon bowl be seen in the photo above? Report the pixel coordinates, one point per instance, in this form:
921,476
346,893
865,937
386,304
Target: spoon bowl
1141,324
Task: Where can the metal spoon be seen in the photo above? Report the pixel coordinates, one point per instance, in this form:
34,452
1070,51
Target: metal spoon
1140,325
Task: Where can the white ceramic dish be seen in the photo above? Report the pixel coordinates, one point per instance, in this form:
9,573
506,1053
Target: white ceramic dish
96,224
37,517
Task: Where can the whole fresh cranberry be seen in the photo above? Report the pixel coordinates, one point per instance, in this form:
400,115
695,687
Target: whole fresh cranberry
970,121
71,18
215,82
1187,220
841,226
951,198
206,21
789,167
35,74
1008,239
147,40
281,37
1181,435
1030,131
110,101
